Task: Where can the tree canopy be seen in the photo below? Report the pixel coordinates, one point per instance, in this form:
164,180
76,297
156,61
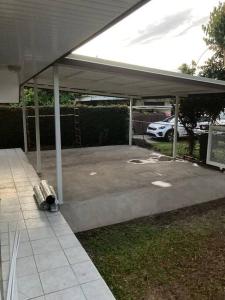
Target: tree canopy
188,69
215,29
214,67
45,97
197,106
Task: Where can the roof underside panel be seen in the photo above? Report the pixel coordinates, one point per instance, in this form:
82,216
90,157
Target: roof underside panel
96,76
34,33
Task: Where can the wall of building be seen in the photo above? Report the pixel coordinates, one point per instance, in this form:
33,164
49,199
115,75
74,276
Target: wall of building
9,85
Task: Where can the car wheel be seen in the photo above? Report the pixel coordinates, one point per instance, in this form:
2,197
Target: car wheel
169,135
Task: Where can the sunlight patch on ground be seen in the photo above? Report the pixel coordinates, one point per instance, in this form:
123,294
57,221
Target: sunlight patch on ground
162,183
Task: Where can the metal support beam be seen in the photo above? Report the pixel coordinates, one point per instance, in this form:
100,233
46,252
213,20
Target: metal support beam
130,122
175,127
37,128
83,91
58,135
24,120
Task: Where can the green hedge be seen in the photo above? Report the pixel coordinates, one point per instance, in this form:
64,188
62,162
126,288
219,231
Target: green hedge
47,128
100,125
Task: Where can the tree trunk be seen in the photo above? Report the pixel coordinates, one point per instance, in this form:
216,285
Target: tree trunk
191,137
191,142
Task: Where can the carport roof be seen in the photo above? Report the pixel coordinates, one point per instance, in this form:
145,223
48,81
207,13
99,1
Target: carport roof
102,77
35,33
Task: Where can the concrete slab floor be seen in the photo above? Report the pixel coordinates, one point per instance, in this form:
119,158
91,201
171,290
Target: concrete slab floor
102,188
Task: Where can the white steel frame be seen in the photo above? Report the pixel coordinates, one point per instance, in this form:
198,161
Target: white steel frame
37,128
131,122
182,86
37,131
181,82
175,127
58,135
24,121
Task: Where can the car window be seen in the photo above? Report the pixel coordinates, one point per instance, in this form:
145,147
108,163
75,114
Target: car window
204,119
169,120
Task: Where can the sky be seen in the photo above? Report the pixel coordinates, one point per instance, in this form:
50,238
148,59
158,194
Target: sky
162,34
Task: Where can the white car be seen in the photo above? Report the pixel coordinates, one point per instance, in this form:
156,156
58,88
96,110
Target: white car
164,129
203,125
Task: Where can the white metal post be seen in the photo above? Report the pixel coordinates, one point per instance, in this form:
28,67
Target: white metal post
24,120
175,127
37,127
131,122
58,135
209,145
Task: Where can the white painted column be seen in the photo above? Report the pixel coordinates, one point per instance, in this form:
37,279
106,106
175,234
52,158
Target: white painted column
58,135
175,127
24,120
130,122
37,127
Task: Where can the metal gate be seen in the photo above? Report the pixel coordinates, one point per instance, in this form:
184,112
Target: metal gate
216,146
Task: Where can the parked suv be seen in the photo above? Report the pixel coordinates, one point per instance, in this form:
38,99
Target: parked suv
203,125
164,129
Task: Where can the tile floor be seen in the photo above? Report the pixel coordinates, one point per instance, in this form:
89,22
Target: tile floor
51,263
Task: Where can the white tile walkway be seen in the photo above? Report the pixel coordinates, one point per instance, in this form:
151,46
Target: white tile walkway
51,263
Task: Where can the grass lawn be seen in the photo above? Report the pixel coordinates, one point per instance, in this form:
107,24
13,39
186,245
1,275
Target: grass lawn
178,255
167,148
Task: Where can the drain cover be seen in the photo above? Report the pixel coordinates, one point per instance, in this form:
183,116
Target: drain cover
141,161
